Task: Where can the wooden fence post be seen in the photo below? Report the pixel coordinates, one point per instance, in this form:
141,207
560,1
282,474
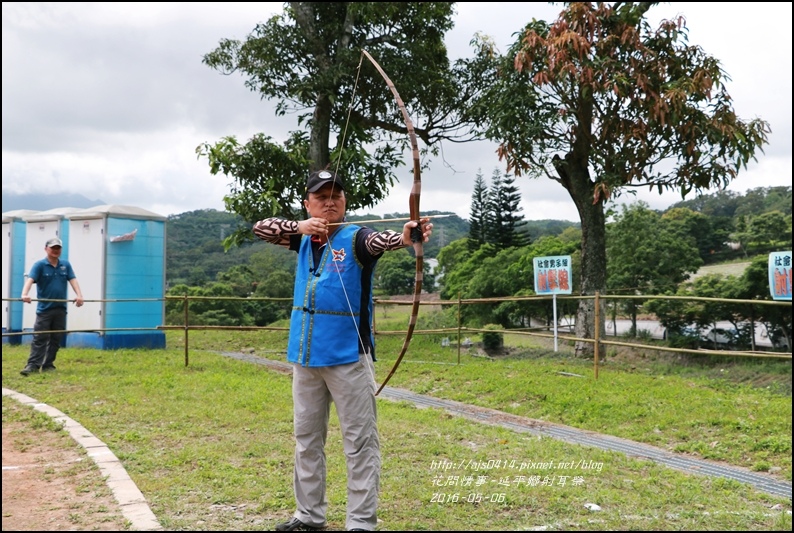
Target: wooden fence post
597,332
458,327
186,326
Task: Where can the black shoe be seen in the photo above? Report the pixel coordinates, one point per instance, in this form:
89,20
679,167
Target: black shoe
29,370
48,368
297,525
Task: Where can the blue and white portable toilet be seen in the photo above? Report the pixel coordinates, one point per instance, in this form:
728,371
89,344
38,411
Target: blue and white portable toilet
118,256
14,229
41,227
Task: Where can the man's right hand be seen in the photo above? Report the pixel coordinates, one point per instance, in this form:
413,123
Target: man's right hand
314,226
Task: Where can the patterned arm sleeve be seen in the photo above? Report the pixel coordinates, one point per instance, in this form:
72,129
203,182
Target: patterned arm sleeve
380,241
276,230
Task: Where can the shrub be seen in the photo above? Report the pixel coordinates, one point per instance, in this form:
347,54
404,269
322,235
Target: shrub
494,339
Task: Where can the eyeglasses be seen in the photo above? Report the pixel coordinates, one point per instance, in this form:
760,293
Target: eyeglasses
55,247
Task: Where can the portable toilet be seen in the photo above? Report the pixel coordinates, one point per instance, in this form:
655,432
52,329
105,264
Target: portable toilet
118,256
41,227
14,229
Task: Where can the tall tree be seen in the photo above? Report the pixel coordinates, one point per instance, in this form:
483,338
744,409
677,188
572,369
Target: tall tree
772,228
507,222
479,213
309,60
601,103
762,233
777,319
647,255
719,204
689,224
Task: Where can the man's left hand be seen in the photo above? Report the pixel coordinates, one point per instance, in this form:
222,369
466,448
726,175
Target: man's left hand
427,230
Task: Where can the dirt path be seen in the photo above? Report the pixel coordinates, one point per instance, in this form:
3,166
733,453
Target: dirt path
50,484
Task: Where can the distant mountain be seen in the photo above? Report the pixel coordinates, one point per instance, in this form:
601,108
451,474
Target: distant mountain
195,254
45,202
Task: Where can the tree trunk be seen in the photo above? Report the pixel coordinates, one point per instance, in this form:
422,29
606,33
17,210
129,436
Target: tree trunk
319,136
575,177
594,268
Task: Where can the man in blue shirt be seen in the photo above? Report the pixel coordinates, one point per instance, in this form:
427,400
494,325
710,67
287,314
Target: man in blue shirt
332,348
51,276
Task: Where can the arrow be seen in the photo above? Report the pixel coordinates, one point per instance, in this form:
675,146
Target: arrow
385,220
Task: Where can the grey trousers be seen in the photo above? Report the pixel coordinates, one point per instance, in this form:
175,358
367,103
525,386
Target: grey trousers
352,388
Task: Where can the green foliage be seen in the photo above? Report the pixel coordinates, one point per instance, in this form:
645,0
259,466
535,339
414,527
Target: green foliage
688,225
214,305
685,319
449,259
564,229
481,275
763,233
267,179
730,204
269,274
194,246
507,228
730,216
278,284
495,217
395,273
594,99
308,60
646,254
493,339
488,273
479,213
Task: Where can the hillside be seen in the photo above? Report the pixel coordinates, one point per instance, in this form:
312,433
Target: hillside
195,254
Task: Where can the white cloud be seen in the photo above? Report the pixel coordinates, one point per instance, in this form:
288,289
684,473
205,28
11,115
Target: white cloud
110,100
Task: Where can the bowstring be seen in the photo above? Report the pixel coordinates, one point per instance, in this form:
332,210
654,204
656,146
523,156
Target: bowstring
333,184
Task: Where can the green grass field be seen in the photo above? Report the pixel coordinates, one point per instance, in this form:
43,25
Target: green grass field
726,269
210,444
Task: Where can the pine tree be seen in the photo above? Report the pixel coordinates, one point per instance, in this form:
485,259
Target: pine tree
506,225
479,214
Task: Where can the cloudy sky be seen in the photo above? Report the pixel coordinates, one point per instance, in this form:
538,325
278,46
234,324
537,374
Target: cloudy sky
110,100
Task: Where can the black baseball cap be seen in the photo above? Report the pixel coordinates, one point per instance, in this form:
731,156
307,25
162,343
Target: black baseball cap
318,178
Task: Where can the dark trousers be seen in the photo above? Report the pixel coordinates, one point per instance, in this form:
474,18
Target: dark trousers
45,346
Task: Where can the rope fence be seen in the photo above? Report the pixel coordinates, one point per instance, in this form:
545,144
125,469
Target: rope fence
460,330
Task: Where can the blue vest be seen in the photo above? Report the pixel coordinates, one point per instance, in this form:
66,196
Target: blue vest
322,330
